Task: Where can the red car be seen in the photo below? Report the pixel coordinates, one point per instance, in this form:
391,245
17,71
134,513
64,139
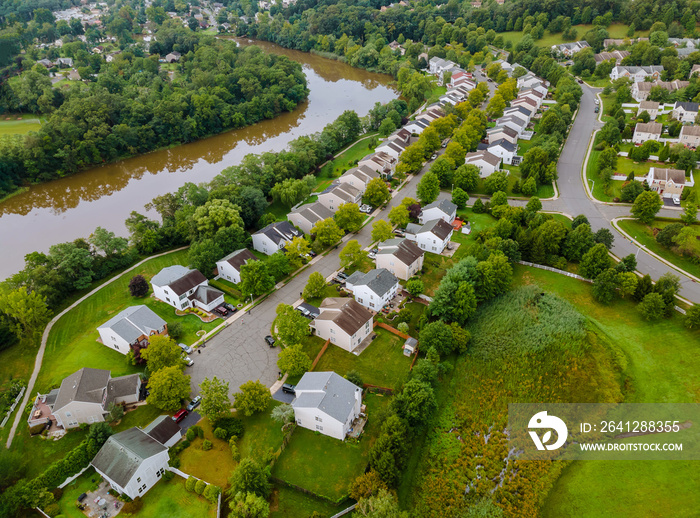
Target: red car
181,414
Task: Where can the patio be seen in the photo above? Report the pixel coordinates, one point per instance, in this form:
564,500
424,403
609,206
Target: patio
450,249
100,504
357,427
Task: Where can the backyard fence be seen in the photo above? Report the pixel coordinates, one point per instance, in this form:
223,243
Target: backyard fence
12,408
186,476
344,511
555,270
71,479
392,330
320,354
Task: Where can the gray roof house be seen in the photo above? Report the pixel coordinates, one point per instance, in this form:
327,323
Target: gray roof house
440,209
131,461
274,237
183,288
373,289
327,403
131,327
164,430
229,267
306,216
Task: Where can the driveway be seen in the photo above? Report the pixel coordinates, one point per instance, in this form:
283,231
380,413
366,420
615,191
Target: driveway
190,420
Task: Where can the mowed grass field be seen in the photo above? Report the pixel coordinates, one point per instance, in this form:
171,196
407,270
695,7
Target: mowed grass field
18,124
615,30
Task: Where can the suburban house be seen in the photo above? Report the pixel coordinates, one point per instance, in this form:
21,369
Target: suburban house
183,288
648,131
504,150
685,111
229,267
373,289
338,194
617,55
393,148
359,176
521,111
651,107
132,462
635,73
569,49
440,209
432,236
668,183
616,42
164,430
516,122
132,326
379,162
640,90
438,66
343,321
487,162
403,258
306,216
694,70
529,80
690,136
417,126
274,237
533,94
327,403
525,101
173,57
84,397
501,132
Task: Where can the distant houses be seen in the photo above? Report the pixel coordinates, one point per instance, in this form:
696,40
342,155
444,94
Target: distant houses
131,328
651,107
569,49
685,111
361,175
641,90
183,288
616,55
636,73
306,216
339,194
690,136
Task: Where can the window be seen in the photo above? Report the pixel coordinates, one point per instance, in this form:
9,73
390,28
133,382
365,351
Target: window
332,331
167,299
68,414
116,347
299,422
319,428
319,419
138,480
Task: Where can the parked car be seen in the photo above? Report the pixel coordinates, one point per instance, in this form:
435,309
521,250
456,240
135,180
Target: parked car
188,361
580,80
181,414
312,253
597,101
366,208
433,157
597,109
186,348
288,388
399,232
372,255
221,311
303,311
194,403
230,307
342,275
270,341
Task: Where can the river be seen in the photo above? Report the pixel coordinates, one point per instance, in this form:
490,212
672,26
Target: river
65,209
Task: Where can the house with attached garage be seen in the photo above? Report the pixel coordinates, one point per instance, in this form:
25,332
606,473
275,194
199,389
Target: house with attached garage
130,328
501,132
327,403
569,49
432,236
651,107
343,321
648,131
401,257
520,111
373,289
183,288
358,177
379,162
132,462
636,73
685,111
440,209
487,162
274,237
668,183
533,94
229,267
641,90
164,430
527,102
617,55
306,216
339,194
84,397
393,148
504,150
515,122
690,136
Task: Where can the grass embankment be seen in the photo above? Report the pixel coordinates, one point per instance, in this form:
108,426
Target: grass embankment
344,161
645,235
18,124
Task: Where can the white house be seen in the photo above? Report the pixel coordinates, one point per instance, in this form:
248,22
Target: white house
373,289
338,194
361,175
306,216
668,183
641,90
569,49
417,126
183,288
343,321
393,148
527,102
84,397
514,122
401,257
487,162
379,162
327,403
617,55
229,267
132,462
518,111
690,136
504,150
438,66
432,236
274,237
132,326
501,132
685,111
533,94
440,209
651,107
529,80
636,74
694,70
648,131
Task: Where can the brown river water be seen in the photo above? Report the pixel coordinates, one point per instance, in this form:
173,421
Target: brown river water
65,209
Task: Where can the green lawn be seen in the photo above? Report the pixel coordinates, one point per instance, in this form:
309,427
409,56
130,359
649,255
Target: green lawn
72,343
289,503
381,363
329,291
616,30
18,124
72,491
598,190
416,309
261,434
171,499
543,191
644,234
346,160
214,466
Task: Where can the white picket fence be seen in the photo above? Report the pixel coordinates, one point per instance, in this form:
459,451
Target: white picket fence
555,270
12,408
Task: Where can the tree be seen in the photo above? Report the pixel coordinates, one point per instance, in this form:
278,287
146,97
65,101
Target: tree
161,352
283,413
652,307
216,214
416,402
605,237
630,191
278,265
386,127
595,261
249,505
314,286
496,106
138,286
168,387
28,311
605,285
381,231
382,505
692,317
291,191
348,217
291,325
376,193
437,335
627,283
203,255
250,477
399,216
297,249
685,240
646,206
578,242
253,397
690,214
255,278
215,398
534,204
529,187
415,286
351,253
497,181
327,232
366,485
428,188
460,197
293,360
466,177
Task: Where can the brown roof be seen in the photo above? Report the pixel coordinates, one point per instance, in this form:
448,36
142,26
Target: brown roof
407,252
693,131
483,155
87,385
239,258
347,314
188,281
648,105
440,228
162,429
521,100
676,175
650,127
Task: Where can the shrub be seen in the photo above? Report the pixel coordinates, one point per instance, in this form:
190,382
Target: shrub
220,433
52,509
191,434
235,454
403,327
175,462
168,475
190,483
211,493
175,330
207,445
355,378
138,286
232,425
200,486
